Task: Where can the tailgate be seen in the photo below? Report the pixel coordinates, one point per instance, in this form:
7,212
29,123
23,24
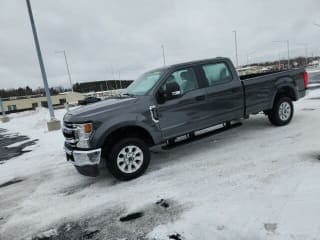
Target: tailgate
300,76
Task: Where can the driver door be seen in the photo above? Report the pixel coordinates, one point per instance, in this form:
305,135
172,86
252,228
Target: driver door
184,108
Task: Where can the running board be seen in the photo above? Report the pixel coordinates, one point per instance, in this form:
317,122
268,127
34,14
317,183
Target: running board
201,136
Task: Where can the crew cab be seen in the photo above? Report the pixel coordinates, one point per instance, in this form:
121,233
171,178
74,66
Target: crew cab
169,102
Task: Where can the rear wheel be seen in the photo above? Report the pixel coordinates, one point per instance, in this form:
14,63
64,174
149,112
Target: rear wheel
129,158
282,111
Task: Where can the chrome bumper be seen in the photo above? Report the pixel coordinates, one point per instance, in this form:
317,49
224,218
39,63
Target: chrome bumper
83,158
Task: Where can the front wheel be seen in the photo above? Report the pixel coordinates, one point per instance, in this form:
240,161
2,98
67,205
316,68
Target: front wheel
128,159
282,112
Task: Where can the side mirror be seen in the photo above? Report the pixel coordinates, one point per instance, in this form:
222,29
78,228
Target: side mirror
172,90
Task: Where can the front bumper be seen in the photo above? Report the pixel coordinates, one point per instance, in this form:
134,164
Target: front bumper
85,161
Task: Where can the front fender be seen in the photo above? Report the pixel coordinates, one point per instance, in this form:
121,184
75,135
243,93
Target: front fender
108,127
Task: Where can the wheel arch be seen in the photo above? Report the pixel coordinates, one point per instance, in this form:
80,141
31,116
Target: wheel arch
285,90
123,131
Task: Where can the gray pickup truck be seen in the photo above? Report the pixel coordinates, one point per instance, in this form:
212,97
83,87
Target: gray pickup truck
169,102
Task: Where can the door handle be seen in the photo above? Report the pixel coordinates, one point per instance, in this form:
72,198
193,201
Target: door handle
200,98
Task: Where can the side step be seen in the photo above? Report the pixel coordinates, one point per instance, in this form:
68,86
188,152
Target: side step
225,127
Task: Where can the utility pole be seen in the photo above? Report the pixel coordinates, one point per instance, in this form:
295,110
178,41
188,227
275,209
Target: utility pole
53,124
67,66
163,55
288,49
236,47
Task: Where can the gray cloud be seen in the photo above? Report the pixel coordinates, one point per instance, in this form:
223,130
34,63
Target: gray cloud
127,35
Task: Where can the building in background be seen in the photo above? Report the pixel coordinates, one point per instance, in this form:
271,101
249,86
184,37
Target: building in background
30,100
24,103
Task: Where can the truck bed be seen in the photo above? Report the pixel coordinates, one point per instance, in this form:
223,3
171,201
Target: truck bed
260,89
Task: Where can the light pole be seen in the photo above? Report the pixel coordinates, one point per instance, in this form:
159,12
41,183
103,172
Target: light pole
236,47
53,124
288,49
163,55
67,66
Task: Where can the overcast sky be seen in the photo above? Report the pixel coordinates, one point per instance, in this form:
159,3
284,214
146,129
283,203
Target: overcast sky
126,35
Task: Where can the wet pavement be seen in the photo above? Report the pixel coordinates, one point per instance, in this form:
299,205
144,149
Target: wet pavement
7,139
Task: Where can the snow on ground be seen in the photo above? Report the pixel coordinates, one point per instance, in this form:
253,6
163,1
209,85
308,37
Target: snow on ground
252,182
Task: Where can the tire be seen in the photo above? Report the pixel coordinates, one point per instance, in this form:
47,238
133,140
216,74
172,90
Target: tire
128,159
282,111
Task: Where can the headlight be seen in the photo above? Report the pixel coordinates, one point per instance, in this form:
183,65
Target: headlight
83,133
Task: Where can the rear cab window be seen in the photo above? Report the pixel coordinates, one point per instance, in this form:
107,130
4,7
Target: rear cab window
217,73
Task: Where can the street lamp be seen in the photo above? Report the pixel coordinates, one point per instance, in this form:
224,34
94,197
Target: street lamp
53,124
236,46
288,49
67,66
163,55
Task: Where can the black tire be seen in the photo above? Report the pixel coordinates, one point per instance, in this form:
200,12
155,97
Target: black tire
114,153
279,116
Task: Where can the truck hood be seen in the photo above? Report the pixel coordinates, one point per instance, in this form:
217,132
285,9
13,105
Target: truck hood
92,111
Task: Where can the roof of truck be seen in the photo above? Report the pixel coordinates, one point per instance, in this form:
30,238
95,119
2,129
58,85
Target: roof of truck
196,62
177,65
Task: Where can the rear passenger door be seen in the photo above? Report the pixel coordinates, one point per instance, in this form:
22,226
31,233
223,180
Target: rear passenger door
225,100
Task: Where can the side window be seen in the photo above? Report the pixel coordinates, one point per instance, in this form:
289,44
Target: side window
185,78
217,73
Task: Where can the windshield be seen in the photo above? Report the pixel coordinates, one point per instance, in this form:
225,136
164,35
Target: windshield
144,83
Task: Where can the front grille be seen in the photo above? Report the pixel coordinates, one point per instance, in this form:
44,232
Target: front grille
68,124
69,133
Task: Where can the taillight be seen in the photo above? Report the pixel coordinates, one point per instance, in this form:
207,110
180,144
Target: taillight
305,79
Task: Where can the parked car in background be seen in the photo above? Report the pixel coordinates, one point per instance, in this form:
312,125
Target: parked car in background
173,101
88,100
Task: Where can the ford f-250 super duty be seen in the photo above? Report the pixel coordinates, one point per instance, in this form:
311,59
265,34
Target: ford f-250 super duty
169,102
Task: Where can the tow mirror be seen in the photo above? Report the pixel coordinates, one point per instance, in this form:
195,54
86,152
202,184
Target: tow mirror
172,91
